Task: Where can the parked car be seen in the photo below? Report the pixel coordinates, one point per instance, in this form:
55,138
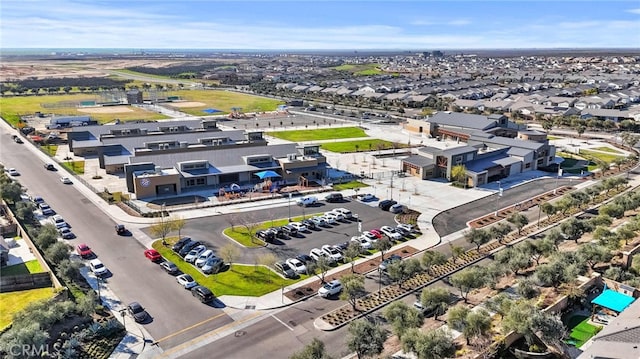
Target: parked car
391,259
120,229
336,215
345,212
363,241
329,289
298,226
188,247
319,221
334,197
212,265
367,197
332,252
285,269
297,265
186,281
309,224
278,232
266,235
194,253
96,266
152,255
289,230
304,258
329,219
49,167
316,254
398,208
137,312
58,221
16,139
386,204
181,242
203,257
169,267
391,233
84,251
65,233
202,293
13,172
38,200
407,227
377,233
65,180
307,201
46,209
402,230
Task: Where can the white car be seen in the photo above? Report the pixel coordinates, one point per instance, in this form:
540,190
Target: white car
407,227
319,221
65,180
97,267
58,221
328,289
363,241
391,232
202,258
297,265
307,201
316,254
299,226
330,218
186,281
194,253
370,236
336,215
13,172
343,211
332,252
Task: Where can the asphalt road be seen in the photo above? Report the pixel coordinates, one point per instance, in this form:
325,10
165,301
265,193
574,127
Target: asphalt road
209,230
133,277
455,219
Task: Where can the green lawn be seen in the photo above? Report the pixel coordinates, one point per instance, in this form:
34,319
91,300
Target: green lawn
608,149
11,108
224,101
241,235
582,331
76,167
245,280
599,155
349,185
553,138
23,268
360,69
363,145
50,149
13,302
319,134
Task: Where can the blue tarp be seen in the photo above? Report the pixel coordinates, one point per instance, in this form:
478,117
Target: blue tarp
211,110
613,300
266,174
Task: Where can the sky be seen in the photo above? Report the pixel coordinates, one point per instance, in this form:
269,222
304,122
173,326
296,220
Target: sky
319,25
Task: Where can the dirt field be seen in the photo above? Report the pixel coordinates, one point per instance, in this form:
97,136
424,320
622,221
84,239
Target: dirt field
187,104
106,109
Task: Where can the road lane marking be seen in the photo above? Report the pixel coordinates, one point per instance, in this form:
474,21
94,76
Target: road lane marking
281,322
190,327
200,341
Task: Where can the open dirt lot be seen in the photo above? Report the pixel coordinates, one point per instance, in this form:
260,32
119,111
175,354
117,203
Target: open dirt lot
187,104
106,109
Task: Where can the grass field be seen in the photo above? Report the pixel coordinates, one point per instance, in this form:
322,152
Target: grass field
363,145
51,150
582,331
11,108
598,155
553,138
76,167
319,134
253,281
608,149
23,268
224,101
13,302
360,70
349,185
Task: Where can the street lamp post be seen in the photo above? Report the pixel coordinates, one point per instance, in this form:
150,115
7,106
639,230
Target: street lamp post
498,198
391,187
99,285
123,313
289,207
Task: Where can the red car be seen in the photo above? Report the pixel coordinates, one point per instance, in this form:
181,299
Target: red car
153,255
376,232
84,251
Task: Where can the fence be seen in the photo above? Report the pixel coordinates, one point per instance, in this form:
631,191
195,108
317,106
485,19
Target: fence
14,283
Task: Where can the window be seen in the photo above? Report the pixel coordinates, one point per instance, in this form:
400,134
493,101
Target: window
528,165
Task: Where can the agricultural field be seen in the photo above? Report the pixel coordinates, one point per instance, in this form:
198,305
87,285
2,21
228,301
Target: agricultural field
198,100
320,134
11,108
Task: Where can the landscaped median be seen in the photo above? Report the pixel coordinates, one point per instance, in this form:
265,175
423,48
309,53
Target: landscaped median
244,234
238,279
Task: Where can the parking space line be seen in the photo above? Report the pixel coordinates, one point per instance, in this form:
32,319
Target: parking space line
281,322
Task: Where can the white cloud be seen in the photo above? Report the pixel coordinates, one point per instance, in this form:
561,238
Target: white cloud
634,11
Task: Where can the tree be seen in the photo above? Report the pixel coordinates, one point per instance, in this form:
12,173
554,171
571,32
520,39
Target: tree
366,338
352,253
161,228
547,125
402,317
24,211
383,245
319,268
68,271
431,259
593,254
500,304
459,174
456,317
436,300
10,191
313,350
518,319
477,237
177,224
353,288
265,259
513,259
47,236
519,220
606,237
612,210
548,209
572,228
477,325
250,226
456,251
499,231
57,252
400,271
526,288
468,279
230,252
434,344
540,248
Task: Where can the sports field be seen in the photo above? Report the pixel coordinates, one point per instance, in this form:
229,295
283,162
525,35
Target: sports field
320,134
357,146
224,101
11,108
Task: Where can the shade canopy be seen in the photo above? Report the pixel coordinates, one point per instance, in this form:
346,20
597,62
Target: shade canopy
266,174
613,300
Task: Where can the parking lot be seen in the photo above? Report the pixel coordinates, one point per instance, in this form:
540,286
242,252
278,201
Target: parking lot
209,230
